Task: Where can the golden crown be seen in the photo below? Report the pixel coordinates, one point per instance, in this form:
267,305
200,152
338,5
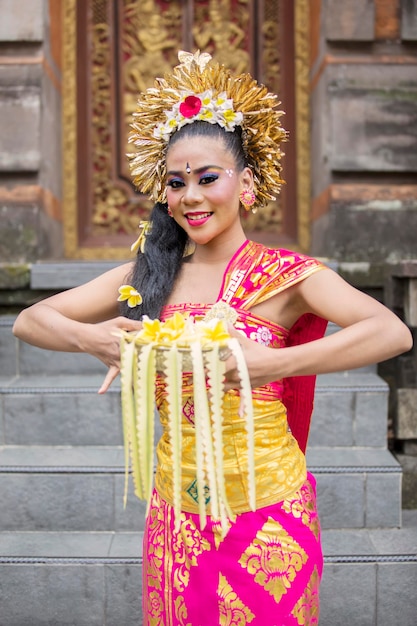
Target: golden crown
200,89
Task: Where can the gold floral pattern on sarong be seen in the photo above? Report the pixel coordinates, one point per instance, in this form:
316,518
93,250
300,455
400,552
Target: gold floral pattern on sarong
303,506
218,532
187,546
306,611
232,610
155,609
156,542
181,611
274,558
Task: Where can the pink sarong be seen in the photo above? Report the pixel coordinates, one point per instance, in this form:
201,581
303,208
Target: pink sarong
265,572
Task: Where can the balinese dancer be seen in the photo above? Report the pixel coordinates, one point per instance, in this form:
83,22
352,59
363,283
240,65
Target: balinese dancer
206,145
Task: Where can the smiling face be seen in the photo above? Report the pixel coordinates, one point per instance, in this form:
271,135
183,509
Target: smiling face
203,187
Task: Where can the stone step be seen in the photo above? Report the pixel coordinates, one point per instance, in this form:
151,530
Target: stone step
21,359
77,488
65,409
357,487
59,275
350,409
77,579
91,579
59,410
81,488
370,576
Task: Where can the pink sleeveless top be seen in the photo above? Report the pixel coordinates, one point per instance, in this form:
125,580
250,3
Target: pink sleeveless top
255,274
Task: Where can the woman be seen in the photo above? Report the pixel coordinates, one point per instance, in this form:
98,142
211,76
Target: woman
204,142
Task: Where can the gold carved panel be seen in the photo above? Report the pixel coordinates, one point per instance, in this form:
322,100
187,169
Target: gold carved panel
113,50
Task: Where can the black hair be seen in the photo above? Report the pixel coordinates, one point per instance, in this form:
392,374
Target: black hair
233,141
156,269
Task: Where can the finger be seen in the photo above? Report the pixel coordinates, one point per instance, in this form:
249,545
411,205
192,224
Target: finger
231,379
243,340
231,386
126,324
110,377
134,323
123,323
234,332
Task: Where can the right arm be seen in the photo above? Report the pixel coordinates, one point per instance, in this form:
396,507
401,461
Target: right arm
83,319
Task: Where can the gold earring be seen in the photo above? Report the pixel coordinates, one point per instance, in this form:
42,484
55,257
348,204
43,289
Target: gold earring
247,198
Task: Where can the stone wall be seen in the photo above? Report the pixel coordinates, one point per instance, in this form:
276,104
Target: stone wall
363,119
364,130
364,175
30,162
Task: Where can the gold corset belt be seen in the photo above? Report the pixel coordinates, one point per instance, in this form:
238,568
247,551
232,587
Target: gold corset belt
280,467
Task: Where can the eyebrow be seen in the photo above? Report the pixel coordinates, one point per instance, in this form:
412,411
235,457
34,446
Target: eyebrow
197,171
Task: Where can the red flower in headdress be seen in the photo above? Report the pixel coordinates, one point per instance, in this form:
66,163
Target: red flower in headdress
190,106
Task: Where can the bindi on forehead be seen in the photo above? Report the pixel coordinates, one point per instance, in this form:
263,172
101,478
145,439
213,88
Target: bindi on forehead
188,168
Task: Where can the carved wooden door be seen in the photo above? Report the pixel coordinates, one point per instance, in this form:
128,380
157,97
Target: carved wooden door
114,49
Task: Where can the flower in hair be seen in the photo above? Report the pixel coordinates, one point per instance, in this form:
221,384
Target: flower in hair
133,297
199,58
139,244
207,107
190,106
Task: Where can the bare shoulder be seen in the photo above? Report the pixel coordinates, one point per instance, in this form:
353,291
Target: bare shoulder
328,295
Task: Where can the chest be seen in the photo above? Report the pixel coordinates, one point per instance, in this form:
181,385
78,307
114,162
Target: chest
198,284
203,284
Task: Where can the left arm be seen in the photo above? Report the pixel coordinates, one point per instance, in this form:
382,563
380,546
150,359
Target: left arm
369,333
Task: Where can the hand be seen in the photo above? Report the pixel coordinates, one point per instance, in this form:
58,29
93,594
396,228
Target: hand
261,362
103,342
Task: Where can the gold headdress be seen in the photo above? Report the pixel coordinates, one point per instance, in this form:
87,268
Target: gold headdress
198,89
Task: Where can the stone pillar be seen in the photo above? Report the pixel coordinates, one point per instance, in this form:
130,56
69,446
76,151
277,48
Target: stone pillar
30,159
364,130
400,295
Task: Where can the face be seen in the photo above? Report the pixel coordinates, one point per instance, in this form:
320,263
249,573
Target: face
203,187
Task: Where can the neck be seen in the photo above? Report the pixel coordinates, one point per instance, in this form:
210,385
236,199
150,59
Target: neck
218,252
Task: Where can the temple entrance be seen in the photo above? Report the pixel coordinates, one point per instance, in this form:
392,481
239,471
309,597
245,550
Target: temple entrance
113,50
